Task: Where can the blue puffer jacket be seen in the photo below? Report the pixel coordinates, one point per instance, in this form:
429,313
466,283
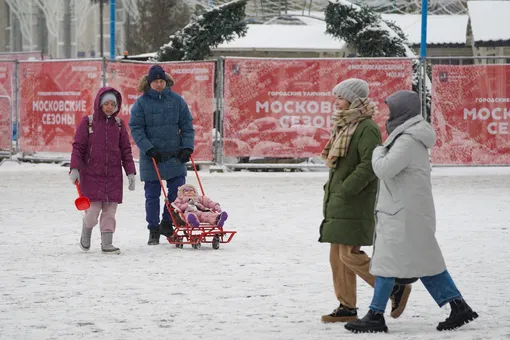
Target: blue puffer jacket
161,120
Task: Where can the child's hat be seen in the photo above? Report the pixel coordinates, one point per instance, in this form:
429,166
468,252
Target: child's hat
180,191
109,96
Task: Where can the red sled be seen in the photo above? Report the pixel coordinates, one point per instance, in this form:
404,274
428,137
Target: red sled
185,233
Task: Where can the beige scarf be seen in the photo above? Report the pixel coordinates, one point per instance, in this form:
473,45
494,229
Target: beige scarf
346,122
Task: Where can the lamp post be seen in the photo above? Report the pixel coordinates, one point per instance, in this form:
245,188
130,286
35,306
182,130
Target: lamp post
424,14
112,29
101,33
423,56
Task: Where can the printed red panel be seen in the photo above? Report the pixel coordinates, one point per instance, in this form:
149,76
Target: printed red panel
471,114
6,104
193,81
54,97
283,108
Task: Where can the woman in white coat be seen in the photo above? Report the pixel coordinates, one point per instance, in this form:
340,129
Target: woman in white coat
405,244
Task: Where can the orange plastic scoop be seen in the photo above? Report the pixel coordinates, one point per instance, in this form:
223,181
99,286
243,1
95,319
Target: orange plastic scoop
82,202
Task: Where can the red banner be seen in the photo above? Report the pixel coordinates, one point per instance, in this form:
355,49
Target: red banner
6,104
54,97
471,114
193,81
283,108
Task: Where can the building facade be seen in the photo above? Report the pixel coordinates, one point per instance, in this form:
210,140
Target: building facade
61,28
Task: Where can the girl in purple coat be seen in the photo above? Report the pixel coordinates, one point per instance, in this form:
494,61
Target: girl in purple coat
101,148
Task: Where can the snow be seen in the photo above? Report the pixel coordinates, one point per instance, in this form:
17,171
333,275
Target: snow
310,37
272,281
489,20
143,55
441,29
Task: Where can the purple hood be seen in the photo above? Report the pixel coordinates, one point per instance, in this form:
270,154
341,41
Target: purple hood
101,154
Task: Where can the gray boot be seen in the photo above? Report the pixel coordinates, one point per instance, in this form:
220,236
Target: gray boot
86,234
106,244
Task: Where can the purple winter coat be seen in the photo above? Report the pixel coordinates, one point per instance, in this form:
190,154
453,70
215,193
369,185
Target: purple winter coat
100,155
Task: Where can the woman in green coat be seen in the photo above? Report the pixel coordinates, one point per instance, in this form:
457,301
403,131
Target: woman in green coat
349,198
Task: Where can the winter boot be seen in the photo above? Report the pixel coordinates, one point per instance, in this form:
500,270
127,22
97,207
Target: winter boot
86,234
222,217
461,314
106,244
166,228
373,322
341,314
193,220
399,297
153,237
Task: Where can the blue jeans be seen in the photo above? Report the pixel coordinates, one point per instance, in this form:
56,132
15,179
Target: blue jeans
441,287
152,195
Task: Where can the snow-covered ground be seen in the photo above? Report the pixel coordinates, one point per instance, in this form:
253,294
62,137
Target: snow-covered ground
271,282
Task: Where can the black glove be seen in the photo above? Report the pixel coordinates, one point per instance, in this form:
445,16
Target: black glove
154,153
184,155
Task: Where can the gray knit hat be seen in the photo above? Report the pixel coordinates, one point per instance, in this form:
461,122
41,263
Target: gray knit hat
109,96
351,89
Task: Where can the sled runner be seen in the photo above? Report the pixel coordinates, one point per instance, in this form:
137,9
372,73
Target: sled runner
184,233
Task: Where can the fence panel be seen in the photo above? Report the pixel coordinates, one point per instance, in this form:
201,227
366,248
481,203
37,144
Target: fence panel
471,114
194,81
283,107
55,95
270,107
7,111
34,55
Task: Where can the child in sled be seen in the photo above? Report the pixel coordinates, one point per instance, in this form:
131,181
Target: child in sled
198,209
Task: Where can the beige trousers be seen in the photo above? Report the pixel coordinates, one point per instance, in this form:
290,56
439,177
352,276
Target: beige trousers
347,262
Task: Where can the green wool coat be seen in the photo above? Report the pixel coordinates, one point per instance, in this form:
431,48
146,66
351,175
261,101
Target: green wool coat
351,190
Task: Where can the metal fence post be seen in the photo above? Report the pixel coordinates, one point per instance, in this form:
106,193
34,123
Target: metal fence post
219,108
104,72
421,83
17,81
424,89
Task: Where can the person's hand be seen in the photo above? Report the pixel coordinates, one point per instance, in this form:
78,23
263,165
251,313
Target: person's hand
184,155
74,175
131,179
154,153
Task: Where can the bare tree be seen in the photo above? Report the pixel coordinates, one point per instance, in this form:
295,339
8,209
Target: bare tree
101,32
156,22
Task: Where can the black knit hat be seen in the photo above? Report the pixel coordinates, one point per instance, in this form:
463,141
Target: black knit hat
156,72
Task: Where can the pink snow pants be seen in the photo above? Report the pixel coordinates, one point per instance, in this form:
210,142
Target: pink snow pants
107,223
205,216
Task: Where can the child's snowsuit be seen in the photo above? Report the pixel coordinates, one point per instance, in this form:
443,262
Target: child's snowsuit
198,209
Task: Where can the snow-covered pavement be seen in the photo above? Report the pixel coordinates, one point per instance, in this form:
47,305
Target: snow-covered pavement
271,282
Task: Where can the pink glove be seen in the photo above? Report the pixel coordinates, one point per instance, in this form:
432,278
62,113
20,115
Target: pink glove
217,208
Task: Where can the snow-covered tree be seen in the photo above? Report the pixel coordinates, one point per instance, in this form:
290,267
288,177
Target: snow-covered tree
369,35
213,27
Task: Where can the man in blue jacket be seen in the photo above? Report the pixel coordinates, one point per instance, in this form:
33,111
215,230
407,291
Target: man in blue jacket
162,128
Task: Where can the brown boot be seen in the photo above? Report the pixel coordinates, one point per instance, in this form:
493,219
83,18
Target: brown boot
399,298
341,314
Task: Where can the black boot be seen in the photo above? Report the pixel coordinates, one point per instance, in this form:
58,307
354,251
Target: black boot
153,237
341,314
399,297
166,228
461,314
371,323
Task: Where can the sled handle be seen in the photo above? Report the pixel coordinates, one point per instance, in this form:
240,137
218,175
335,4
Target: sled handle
167,203
198,177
